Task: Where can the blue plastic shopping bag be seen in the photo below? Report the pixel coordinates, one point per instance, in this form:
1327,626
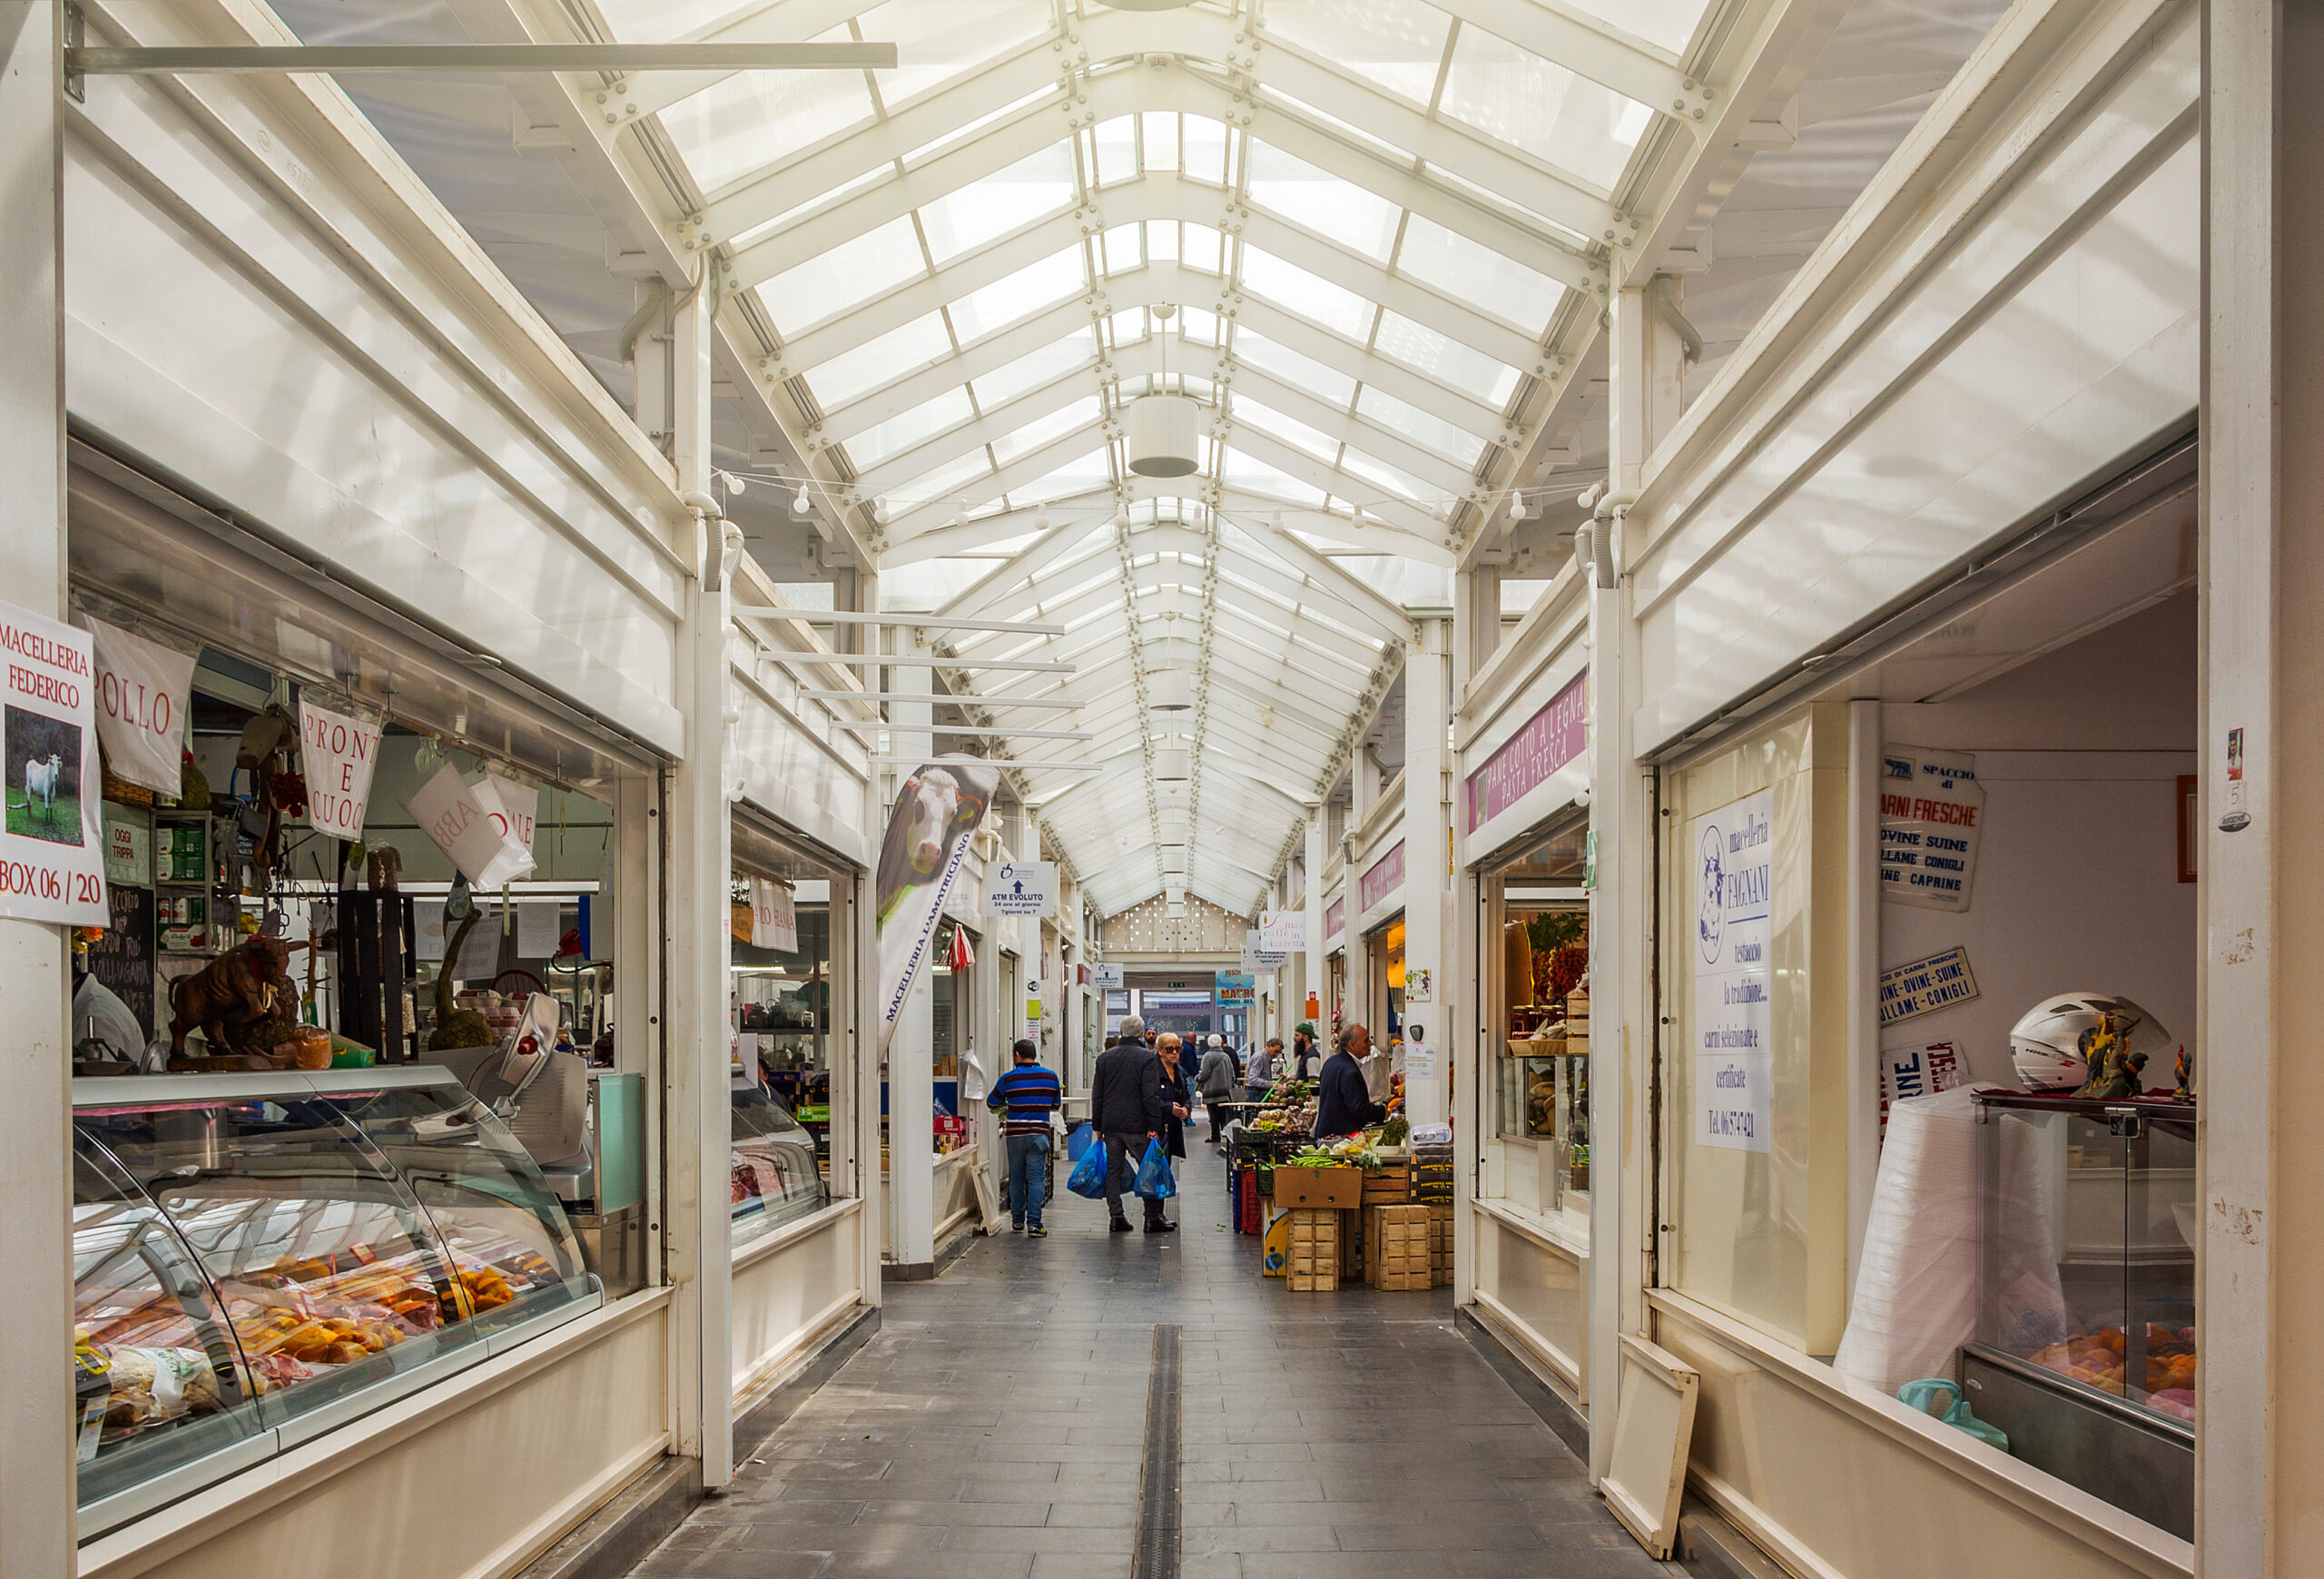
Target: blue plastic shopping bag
1088,1179
1084,1136
1154,1181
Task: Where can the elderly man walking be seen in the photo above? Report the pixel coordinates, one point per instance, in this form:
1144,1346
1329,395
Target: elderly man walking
1126,1105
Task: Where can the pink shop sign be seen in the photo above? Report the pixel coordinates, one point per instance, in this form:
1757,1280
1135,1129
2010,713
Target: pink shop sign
1336,919
1387,874
1550,738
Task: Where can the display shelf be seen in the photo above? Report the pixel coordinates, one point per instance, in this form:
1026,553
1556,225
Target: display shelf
262,1257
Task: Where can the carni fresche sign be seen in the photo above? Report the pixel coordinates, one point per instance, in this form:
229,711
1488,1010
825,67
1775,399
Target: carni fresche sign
1734,852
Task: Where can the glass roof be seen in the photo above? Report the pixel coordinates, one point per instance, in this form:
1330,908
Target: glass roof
1348,229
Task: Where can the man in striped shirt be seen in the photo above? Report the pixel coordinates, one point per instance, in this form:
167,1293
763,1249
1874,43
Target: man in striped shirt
1025,1098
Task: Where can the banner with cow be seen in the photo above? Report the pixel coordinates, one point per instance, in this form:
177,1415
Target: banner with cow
936,814
52,848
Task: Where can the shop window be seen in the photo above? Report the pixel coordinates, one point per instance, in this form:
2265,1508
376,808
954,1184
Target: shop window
1543,1095
1755,992
782,1078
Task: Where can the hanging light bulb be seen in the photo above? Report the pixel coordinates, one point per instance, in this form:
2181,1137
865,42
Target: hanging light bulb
1275,521
1041,519
960,511
879,512
734,484
1120,522
799,503
1356,518
1517,511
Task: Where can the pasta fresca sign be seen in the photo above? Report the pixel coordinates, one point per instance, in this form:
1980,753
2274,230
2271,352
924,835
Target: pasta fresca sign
1550,738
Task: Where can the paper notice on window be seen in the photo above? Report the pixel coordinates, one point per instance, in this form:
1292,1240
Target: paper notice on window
1733,850
537,928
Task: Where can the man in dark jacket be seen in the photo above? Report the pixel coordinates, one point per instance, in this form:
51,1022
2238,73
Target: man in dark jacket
1126,1104
1342,1105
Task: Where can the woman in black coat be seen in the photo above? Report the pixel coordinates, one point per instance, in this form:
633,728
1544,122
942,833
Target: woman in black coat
1177,1094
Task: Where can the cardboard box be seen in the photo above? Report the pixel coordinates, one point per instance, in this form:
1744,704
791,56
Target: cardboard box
1318,1189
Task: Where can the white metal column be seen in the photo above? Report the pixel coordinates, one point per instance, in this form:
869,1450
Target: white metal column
1643,355
698,873
865,1068
37,1524
1427,821
912,1050
1318,976
2258,1466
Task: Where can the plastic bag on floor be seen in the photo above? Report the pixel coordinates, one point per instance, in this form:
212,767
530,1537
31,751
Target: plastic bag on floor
1154,1180
1088,1179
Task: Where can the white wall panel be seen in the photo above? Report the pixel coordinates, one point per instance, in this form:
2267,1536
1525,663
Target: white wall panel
272,349
787,1292
2057,336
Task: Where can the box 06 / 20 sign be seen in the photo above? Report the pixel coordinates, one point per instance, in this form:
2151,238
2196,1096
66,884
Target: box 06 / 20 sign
52,853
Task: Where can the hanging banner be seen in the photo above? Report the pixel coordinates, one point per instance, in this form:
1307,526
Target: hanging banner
1021,888
1283,931
1234,990
1932,817
1110,977
455,820
514,808
1734,849
337,751
143,690
52,855
1258,958
935,814
774,918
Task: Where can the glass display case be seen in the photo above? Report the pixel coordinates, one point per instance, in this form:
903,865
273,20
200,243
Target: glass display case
260,1257
777,1176
2086,1343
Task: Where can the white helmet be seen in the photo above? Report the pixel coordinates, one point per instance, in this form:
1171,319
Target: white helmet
2047,1045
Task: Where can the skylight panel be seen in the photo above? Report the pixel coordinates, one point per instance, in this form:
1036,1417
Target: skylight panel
1300,372
965,219
1117,150
1362,220
968,131
1127,326
739,124
1026,291
1421,426
1162,240
1314,298
906,429
1396,43
1290,429
1203,147
1158,138
1484,378
661,21
1204,248
892,356
929,584
1085,474
1470,272
1199,326
1401,484
1036,368
846,275
1122,248
940,41
942,482
1540,106
1081,413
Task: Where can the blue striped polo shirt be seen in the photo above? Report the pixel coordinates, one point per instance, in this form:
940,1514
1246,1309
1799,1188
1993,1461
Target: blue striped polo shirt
1030,1093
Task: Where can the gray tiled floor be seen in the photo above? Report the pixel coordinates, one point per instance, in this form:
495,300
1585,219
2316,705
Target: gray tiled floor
992,1430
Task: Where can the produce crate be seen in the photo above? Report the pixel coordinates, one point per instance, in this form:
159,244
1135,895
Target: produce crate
1317,1188
1396,1240
1391,1186
1313,1262
1439,1245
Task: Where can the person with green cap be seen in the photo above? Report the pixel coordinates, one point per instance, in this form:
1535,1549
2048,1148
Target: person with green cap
1306,1058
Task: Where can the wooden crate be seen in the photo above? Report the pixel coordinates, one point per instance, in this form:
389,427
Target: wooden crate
1440,1246
1391,1186
1396,1247
1312,1259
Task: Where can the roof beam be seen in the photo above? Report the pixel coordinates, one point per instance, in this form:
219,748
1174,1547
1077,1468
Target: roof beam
1447,476
1412,531
1349,359
791,21
939,450
970,272
913,535
1354,272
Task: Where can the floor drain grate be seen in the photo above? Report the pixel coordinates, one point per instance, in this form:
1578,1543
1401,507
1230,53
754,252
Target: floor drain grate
1156,1556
